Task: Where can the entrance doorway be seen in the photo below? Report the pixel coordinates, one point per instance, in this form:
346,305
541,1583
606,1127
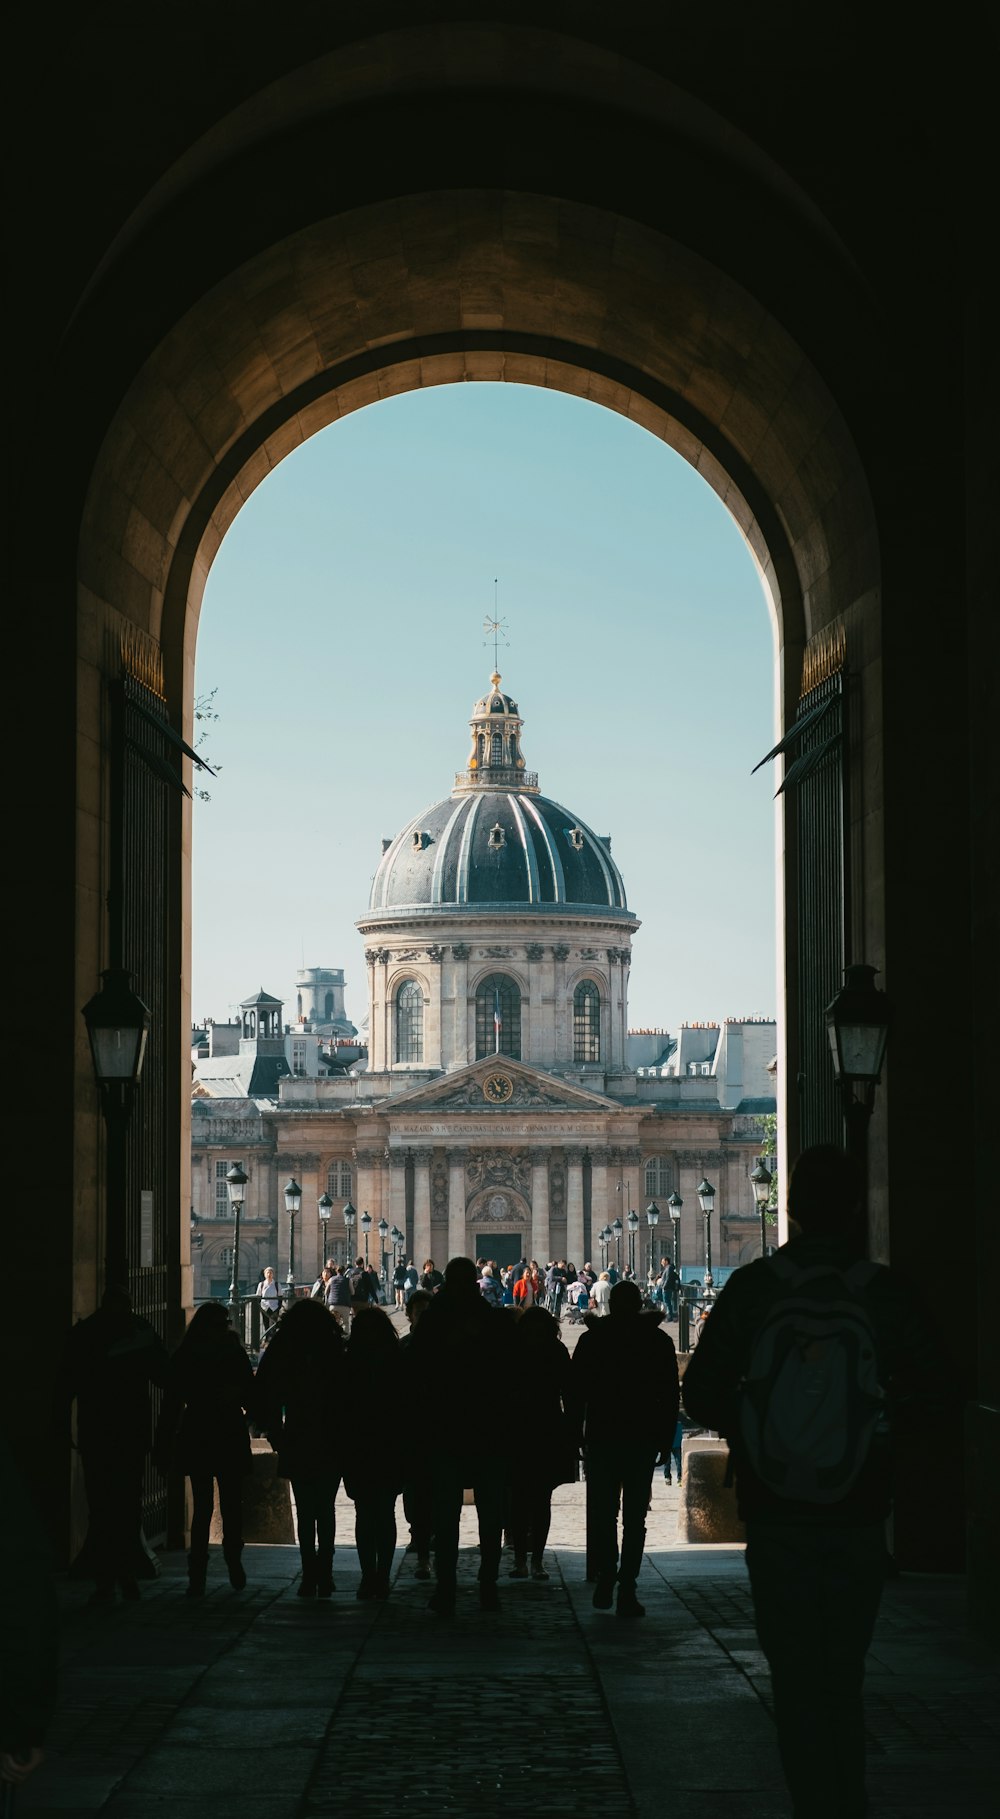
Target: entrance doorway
499,1247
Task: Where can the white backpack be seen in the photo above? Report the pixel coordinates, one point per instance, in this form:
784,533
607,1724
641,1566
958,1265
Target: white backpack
811,1398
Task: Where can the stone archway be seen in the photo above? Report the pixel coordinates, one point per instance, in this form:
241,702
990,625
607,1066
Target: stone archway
498,1224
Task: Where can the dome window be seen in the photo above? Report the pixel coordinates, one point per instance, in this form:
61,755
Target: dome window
409,1022
586,1022
575,837
421,839
497,837
498,1017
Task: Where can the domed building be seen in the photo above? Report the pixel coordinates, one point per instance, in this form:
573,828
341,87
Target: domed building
498,924
506,1110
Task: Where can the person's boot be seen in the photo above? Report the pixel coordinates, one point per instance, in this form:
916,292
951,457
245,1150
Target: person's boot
537,1568
628,1604
324,1573
237,1577
604,1591
519,1570
307,1583
197,1567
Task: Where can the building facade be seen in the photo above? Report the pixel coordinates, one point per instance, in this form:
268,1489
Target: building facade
501,1111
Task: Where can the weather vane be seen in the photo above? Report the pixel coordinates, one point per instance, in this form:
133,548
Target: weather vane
494,628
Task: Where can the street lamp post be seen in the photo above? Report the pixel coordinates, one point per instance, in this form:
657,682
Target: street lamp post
366,1226
761,1180
117,1026
652,1221
293,1200
236,1182
398,1242
324,1207
616,1231
633,1227
674,1205
706,1200
383,1268
350,1215
857,1024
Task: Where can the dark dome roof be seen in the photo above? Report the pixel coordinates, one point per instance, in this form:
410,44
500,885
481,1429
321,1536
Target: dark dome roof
496,846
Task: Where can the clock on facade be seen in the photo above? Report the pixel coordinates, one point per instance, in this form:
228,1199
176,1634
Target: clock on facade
497,1088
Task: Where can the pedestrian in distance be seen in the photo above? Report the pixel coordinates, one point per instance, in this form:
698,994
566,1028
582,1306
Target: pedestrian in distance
202,1432
399,1283
431,1278
815,1362
269,1295
299,1391
600,1294
626,1386
339,1299
111,1362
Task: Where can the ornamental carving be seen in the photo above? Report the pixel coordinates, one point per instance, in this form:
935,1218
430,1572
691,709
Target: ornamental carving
509,1168
436,954
534,950
460,950
560,952
439,1190
613,955
557,1191
370,956
495,953
524,1094
366,1158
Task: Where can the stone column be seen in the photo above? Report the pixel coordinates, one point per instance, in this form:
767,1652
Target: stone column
538,1241
600,1215
397,1196
574,1207
422,1207
631,1164
456,1206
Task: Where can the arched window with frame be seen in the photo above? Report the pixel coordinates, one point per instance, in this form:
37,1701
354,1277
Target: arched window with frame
586,1022
659,1178
498,1017
409,1021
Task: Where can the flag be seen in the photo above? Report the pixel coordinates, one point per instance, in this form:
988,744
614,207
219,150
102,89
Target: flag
497,1018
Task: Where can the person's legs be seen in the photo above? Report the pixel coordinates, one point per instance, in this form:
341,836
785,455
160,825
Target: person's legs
231,1512
327,1486
366,1541
489,1483
385,1540
520,1523
603,1494
203,1500
447,1485
816,1593
637,1464
541,1520
306,1494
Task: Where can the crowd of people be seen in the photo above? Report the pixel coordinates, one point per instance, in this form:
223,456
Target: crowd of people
813,1366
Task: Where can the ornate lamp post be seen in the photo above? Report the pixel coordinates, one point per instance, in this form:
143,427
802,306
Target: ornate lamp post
857,1024
398,1241
366,1226
674,1205
633,1227
652,1221
761,1180
118,1026
324,1206
350,1215
293,1200
706,1200
616,1232
236,1182
383,1268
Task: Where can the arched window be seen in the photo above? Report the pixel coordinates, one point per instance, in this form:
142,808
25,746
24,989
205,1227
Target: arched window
659,1178
586,1022
409,1022
498,1017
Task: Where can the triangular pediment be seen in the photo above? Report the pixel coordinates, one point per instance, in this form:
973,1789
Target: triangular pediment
483,1086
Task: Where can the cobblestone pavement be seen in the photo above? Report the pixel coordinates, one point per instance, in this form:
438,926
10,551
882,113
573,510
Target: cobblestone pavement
290,1706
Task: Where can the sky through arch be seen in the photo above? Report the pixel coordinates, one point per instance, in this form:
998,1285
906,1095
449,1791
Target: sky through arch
342,632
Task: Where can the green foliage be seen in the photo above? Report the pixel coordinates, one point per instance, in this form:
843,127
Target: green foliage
769,1149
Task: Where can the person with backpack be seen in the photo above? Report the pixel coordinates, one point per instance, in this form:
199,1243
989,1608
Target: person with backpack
811,1360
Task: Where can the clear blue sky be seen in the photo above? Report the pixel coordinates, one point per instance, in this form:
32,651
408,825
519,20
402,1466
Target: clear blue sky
342,629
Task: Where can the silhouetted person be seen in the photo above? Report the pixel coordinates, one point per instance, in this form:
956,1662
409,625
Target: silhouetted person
815,1493
545,1448
374,1446
625,1379
202,1432
110,1362
461,1376
299,1392
417,1503
28,1629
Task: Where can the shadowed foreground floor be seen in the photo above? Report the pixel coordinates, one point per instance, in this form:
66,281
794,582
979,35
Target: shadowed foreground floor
265,1701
